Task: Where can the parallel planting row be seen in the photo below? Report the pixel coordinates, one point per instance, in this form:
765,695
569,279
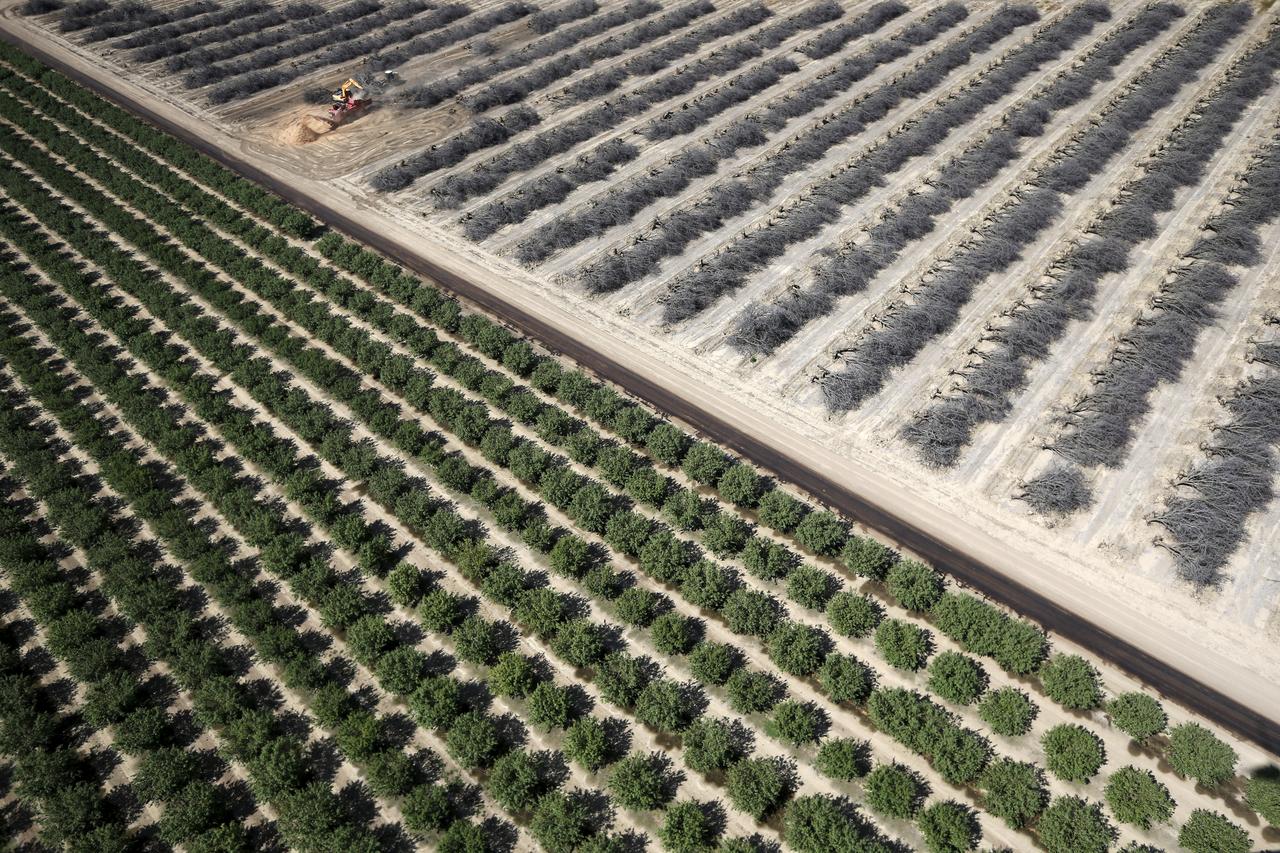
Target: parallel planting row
228,51
1214,496
931,306
855,265
562,136
696,160
543,611
1099,427
673,233
1026,334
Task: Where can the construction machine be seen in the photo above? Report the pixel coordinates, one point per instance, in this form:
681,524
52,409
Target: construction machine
345,103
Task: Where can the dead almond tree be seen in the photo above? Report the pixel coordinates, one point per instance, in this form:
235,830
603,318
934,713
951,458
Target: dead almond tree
41,7
549,19
734,197
234,38
1024,334
556,40
1204,528
1059,491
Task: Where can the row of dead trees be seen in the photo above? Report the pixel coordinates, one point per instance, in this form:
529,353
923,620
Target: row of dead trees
555,39
933,305
1024,334
726,272
704,156
670,235
456,189
761,329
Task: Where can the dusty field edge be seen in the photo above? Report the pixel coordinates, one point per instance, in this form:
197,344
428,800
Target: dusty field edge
1206,683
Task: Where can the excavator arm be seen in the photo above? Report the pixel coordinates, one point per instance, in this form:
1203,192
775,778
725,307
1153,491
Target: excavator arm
344,93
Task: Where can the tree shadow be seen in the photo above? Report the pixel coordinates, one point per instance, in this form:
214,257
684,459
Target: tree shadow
393,838
356,800
466,797
186,727
617,737
397,728
580,701
500,835
324,758
553,768
475,695
598,807
511,730
430,766
238,799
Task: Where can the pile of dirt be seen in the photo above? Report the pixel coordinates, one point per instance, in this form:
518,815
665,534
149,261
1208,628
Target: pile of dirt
304,129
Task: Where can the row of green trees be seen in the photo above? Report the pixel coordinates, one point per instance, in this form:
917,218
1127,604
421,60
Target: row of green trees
471,735
269,207
61,787
794,647
816,530
744,787
665,714
255,735
978,626
122,698
536,605
387,768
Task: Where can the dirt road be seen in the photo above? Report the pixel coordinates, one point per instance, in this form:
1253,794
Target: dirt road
1157,654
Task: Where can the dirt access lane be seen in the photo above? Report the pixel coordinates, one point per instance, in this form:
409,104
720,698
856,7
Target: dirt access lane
1156,654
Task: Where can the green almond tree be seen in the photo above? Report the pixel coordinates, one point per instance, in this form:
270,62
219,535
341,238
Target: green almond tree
1137,797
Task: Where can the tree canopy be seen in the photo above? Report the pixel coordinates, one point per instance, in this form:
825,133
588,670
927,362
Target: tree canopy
957,678
1262,792
1014,791
1137,797
639,781
1075,825
1008,710
758,786
845,759
688,828
1072,682
1210,832
1138,715
1196,752
1072,752
895,791
949,827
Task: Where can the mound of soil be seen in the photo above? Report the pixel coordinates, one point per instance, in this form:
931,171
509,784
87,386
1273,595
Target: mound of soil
304,129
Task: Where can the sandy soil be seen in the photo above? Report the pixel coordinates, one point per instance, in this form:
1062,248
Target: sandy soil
1205,642
304,130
